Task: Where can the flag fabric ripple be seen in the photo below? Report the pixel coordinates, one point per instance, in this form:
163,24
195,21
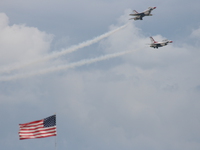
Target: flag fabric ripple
38,129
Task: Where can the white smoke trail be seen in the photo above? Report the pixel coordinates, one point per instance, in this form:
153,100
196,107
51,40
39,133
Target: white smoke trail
63,67
8,69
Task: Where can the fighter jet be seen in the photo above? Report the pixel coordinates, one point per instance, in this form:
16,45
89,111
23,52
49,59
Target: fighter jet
139,16
155,44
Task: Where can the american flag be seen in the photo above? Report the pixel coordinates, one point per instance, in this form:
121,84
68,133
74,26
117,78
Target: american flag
38,129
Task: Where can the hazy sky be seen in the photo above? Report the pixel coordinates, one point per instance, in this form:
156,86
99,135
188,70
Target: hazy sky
109,89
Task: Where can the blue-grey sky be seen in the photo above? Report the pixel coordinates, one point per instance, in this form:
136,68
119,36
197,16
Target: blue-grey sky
146,100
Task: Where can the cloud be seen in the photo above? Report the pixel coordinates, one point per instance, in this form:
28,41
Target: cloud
4,21
195,33
20,43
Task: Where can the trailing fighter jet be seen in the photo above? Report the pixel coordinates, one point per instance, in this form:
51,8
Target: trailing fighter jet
139,16
155,44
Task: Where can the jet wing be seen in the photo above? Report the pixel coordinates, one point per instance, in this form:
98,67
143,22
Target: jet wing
137,18
139,14
136,13
157,44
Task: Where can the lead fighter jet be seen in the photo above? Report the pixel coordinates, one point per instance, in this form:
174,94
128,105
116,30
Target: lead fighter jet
139,16
155,44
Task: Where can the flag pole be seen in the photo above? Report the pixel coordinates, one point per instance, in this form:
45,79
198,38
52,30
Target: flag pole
55,143
55,139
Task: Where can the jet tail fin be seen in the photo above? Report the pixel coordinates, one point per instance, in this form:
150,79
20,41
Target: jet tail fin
135,11
152,40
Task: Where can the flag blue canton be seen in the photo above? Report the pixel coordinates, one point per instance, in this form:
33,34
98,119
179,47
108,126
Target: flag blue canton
50,121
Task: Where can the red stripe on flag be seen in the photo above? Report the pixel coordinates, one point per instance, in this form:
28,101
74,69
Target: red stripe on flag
32,137
37,130
31,123
40,131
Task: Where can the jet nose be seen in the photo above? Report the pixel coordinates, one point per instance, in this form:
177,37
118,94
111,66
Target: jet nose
170,41
154,8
